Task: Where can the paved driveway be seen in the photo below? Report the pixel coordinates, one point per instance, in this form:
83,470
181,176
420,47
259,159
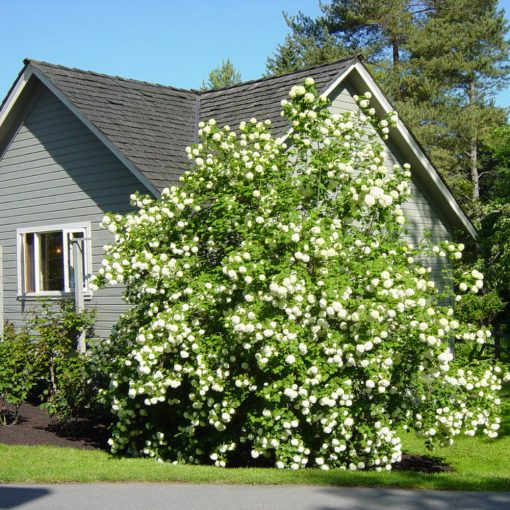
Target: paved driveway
137,496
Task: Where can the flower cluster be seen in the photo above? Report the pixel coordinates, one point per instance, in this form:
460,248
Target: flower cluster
277,314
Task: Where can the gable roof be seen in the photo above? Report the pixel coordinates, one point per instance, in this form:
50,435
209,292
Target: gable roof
147,125
150,124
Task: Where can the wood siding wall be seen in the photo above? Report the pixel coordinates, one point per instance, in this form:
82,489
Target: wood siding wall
55,171
422,218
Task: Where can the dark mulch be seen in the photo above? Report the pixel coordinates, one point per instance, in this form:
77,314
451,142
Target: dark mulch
36,427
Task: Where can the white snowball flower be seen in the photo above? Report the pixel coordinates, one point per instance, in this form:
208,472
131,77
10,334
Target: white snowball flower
290,359
369,200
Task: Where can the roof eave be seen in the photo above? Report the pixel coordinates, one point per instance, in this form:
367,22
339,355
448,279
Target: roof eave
401,135
430,174
14,92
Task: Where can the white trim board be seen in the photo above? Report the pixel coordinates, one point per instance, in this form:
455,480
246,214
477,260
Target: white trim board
411,142
66,228
106,141
15,93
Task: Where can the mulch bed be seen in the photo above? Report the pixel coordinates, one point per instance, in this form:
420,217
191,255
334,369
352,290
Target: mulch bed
35,427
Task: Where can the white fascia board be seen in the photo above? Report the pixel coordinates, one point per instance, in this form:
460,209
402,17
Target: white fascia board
106,141
413,145
338,80
15,93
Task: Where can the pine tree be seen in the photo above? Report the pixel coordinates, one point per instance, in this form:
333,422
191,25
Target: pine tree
377,30
309,43
224,75
460,53
439,61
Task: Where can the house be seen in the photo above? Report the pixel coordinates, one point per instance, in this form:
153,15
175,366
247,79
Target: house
75,144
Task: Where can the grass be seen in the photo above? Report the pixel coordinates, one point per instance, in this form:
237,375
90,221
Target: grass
479,464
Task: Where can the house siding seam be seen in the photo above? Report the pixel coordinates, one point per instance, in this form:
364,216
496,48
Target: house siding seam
55,171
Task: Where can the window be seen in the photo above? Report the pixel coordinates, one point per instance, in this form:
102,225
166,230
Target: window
47,257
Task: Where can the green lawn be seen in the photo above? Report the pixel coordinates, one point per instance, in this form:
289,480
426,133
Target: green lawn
478,463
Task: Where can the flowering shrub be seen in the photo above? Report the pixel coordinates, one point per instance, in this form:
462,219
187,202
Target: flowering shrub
277,312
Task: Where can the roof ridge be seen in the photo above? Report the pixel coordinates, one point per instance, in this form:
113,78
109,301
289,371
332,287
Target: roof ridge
28,61
194,91
277,76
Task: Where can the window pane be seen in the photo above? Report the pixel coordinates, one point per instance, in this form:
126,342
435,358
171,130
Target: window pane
52,261
29,266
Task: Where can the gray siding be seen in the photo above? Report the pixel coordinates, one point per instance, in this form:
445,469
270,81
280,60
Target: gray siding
422,218
55,171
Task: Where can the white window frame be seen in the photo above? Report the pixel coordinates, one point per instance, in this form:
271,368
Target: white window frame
67,229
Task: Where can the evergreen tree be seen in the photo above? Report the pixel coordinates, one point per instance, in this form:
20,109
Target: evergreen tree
496,161
495,227
377,30
309,43
439,61
459,54
224,75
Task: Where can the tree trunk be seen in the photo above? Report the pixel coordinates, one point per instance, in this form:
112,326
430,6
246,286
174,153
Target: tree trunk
473,148
396,68
395,52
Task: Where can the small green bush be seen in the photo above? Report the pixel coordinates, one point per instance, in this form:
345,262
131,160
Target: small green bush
18,370
42,358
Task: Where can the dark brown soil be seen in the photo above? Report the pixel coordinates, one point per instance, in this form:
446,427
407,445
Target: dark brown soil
36,427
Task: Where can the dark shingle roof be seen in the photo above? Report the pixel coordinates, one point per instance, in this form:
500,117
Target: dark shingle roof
151,124
261,98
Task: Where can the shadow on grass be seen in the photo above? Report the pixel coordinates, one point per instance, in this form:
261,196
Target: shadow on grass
422,464
410,480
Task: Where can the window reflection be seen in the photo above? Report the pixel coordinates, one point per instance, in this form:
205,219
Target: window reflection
51,261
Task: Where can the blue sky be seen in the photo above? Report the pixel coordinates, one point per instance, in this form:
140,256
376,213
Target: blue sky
174,42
